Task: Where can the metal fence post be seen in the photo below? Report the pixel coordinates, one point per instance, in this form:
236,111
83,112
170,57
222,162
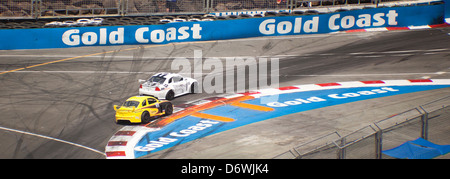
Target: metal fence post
424,118
207,6
35,8
378,141
340,153
378,144
123,4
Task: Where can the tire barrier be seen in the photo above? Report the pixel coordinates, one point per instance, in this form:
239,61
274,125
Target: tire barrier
161,19
139,20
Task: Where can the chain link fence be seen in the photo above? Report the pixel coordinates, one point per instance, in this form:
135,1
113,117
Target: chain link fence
17,8
77,7
10,9
430,121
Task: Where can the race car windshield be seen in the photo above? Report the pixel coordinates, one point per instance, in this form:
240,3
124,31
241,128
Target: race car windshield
157,79
131,103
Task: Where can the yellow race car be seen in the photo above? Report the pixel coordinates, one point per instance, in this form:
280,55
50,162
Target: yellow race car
142,109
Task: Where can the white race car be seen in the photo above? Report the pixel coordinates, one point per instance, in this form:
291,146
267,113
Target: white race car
167,86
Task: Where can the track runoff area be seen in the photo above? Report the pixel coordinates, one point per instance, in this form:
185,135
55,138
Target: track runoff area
58,103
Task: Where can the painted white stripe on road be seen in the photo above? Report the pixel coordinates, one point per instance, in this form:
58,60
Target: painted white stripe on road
52,138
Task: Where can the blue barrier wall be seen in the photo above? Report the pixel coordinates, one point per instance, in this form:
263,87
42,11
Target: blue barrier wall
447,8
219,30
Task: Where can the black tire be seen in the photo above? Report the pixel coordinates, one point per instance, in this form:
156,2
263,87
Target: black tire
258,15
140,18
233,17
169,17
169,109
145,118
185,17
243,16
222,18
311,12
297,13
270,14
194,88
283,14
154,18
170,95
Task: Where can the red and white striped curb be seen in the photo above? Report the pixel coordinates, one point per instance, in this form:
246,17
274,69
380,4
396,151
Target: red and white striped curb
381,29
351,84
121,144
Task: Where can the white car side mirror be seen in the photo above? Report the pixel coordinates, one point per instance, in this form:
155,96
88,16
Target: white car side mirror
142,81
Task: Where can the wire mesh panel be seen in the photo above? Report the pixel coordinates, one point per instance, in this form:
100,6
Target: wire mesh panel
432,120
78,7
402,132
439,126
320,148
165,6
233,5
358,144
398,118
286,155
16,8
328,151
365,148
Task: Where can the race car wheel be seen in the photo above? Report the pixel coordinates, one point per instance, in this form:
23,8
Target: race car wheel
194,87
170,95
145,118
169,109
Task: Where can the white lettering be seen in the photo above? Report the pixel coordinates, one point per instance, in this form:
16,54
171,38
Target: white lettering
157,36
359,93
103,36
335,22
266,28
332,22
184,34
269,26
171,34
284,27
347,22
315,99
116,37
392,15
71,37
89,38
379,20
196,31
296,102
139,35
364,20
276,104
298,25
311,25
152,145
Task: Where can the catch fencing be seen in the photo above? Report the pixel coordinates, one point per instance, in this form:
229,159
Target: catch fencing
11,9
430,121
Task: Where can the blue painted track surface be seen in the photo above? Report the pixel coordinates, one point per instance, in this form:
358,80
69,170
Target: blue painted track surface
191,128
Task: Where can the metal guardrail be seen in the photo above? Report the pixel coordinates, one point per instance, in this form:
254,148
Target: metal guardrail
428,121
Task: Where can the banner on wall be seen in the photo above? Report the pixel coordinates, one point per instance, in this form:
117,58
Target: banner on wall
220,30
447,8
